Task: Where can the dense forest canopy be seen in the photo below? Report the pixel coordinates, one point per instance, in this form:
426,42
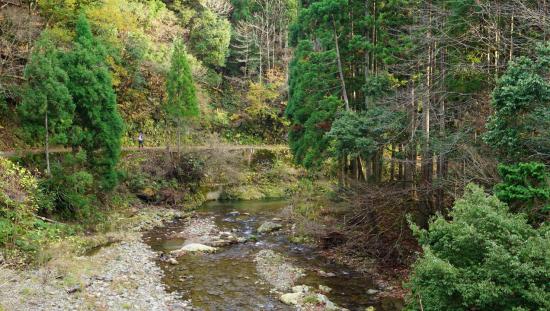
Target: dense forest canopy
430,120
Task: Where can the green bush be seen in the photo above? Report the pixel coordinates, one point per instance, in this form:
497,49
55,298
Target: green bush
22,233
525,187
71,188
483,258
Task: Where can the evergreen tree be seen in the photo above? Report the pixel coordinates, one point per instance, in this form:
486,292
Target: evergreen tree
519,127
46,109
181,97
97,125
313,103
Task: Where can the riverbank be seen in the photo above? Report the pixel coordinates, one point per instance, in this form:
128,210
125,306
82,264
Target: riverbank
120,274
333,222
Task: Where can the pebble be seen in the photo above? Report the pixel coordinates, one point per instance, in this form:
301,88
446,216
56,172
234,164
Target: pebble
372,291
326,274
172,261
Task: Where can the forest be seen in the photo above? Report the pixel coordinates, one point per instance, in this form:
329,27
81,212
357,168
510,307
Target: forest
389,154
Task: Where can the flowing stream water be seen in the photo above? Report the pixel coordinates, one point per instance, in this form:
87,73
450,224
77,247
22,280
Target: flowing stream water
227,279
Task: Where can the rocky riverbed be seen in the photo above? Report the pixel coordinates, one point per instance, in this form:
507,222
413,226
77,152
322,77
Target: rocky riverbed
123,276
238,256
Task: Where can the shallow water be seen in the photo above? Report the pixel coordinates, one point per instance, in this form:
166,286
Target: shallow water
227,279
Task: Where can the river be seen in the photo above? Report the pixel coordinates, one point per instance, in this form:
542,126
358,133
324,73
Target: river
227,279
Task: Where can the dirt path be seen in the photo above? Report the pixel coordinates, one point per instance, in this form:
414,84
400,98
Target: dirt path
188,148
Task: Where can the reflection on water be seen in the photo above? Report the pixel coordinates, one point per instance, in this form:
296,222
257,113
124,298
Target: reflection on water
227,279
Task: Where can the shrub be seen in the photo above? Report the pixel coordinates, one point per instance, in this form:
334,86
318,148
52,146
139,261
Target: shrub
484,258
186,170
21,232
71,188
526,187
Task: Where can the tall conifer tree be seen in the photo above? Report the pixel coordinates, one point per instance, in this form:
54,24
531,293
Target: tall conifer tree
98,126
47,109
182,99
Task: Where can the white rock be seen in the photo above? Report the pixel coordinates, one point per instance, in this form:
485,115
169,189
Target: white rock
193,248
172,261
325,289
301,289
326,274
372,291
291,298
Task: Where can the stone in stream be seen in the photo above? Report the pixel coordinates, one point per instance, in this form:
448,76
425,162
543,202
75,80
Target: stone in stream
269,226
172,261
194,248
292,299
325,289
326,274
303,299
301,289
276,270
221,243
372,291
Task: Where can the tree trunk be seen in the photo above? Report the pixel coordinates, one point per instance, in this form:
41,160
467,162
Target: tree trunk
48,171
179,135
340,70
367,60
360,169
392,164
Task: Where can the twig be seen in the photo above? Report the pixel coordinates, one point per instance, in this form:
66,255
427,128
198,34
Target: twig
48,220
420,302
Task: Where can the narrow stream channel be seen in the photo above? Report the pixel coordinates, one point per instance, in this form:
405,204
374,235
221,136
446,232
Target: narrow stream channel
227,279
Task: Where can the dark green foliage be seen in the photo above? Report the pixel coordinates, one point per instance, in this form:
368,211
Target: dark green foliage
180,88
97,124
350,135
316,101
313,103
241,10
525,186
364,133
3,104
71,189
483,258
519,126
46,94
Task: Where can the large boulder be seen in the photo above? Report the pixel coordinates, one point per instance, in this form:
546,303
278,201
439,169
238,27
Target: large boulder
306,300
194,248
269,226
